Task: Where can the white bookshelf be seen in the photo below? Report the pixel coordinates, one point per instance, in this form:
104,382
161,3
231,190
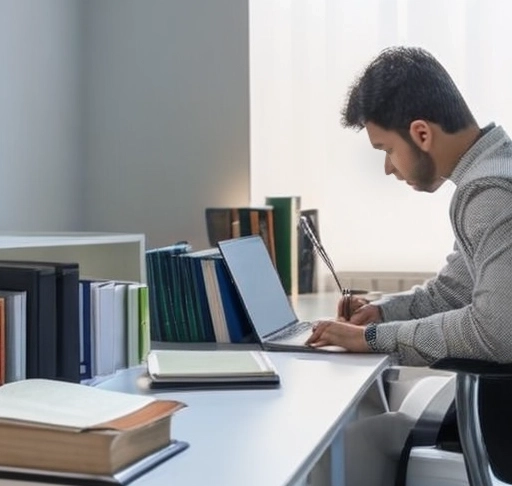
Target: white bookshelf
119,256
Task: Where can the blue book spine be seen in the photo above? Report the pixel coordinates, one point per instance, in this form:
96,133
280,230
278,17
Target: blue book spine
236,319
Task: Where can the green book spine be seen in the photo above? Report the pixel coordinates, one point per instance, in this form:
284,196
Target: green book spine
286,219
144,324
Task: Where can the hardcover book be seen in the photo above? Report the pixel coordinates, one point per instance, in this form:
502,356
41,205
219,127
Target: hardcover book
227,223
2,342
15,311
39,282
307,254
35,477
286,224
67,317
71,428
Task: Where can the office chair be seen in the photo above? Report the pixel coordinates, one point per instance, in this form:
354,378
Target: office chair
483,401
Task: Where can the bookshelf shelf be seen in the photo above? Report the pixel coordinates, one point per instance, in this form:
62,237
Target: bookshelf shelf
119,256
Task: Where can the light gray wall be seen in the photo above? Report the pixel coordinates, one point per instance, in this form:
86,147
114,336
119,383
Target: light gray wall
166,114
40,133
123,115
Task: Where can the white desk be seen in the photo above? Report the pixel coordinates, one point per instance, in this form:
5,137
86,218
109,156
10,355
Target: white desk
269,437
262,437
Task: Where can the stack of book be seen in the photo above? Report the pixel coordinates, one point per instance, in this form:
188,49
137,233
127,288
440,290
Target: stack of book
192,298
277,222
211,369
114,325
55,325
66,433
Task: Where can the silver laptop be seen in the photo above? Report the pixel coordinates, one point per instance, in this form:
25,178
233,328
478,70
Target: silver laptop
266,304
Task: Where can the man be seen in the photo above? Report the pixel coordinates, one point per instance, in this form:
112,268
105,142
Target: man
413,111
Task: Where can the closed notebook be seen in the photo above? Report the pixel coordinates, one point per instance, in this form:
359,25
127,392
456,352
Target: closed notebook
210,366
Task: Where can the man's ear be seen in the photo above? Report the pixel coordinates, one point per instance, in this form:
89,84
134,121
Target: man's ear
421,134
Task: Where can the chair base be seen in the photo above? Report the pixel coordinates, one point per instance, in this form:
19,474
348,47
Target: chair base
429,466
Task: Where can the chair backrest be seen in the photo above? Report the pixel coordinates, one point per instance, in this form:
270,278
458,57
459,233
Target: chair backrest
495,414
484,405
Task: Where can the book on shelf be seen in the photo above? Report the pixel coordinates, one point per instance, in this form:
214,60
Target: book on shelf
236,321
72,429
286,227
211,367
258,220
114,325
133,323
221,223
277,224
15,314
165,307
307,256
193,298
144,323
3,359
39,283
84,311
233,222
67,317
222,316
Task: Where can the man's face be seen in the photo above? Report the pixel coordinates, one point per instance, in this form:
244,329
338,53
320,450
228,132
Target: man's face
404,159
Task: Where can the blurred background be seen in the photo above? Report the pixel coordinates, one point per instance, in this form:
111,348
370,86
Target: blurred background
135,115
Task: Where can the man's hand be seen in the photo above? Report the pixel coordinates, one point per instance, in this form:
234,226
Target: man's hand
361,312
334,332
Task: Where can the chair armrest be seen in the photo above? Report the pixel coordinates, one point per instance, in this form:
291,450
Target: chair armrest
474,366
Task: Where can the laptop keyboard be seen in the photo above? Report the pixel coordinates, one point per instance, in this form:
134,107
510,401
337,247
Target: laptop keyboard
297,328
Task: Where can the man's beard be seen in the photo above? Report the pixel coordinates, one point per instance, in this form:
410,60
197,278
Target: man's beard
424,175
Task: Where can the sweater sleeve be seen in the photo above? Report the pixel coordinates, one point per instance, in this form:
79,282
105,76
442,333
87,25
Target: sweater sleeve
449,289
482,328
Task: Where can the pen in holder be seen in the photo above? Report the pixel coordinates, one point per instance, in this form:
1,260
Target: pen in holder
308,228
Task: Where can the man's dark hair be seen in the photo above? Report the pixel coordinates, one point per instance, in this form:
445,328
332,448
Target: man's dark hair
403,84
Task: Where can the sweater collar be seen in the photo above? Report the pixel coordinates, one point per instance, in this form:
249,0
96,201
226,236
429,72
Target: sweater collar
491,136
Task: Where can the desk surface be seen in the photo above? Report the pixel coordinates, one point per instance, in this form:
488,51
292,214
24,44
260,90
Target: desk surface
260,437
263,437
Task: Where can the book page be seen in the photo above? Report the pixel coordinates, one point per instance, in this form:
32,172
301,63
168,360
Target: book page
195,363
65,404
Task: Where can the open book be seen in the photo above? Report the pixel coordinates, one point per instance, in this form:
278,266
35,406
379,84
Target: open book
70,428
189,367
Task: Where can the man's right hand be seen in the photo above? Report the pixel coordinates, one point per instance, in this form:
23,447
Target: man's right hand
361,312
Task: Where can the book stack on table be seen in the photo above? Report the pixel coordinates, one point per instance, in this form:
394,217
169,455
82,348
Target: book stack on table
65,433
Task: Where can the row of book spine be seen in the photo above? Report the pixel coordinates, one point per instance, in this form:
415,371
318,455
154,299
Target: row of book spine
50,323
114,326
192,298
277,222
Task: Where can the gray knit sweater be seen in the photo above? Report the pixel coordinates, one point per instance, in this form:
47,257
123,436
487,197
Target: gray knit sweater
466,310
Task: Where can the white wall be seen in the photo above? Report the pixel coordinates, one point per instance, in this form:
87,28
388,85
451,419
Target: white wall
167,115
40,132
304,56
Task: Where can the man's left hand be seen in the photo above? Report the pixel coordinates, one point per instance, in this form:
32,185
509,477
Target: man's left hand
344,334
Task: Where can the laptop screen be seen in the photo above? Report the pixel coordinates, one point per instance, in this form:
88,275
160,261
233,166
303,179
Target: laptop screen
258,284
